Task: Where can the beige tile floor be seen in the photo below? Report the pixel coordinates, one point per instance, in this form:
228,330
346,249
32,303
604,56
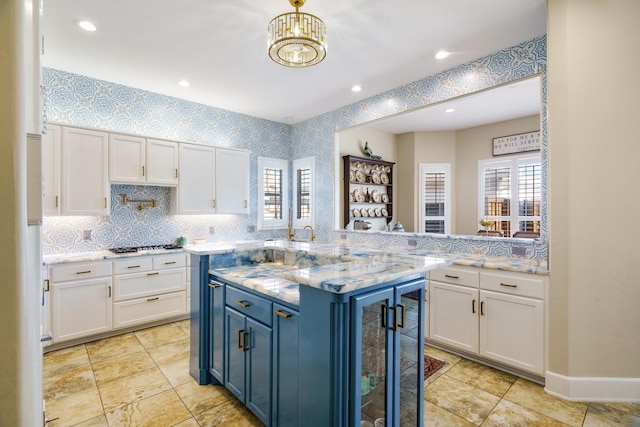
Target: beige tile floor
142,379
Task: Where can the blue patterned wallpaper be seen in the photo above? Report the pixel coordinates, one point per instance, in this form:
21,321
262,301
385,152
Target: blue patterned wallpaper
84,101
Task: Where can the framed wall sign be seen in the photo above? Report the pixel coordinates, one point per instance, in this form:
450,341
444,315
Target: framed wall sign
519,143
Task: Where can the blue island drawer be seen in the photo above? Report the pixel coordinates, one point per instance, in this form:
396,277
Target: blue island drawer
249,304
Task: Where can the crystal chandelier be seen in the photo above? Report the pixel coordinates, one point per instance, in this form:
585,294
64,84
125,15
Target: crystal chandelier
297,39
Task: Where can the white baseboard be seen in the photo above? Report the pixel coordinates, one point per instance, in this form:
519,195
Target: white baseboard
593,389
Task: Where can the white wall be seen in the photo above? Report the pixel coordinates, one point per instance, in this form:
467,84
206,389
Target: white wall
594,197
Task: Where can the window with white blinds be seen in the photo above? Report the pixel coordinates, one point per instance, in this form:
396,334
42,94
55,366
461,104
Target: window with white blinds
273,197
435,198
303,192
510,194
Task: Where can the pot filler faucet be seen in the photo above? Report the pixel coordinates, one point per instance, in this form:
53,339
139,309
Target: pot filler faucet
313,236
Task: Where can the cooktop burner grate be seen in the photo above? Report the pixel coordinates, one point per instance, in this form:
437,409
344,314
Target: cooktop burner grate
134,249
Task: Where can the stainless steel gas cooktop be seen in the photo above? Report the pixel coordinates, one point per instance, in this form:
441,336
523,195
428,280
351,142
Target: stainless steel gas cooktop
146,249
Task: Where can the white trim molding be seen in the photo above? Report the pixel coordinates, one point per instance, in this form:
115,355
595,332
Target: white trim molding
593,389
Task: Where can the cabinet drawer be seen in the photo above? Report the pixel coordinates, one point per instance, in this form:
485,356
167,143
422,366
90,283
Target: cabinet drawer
132,265
145,310
513,283
136,285
162,262
455,275
249,304
80,270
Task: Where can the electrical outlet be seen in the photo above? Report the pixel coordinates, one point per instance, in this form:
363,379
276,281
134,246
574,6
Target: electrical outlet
251,229
212,229
518,250
412,243
86,234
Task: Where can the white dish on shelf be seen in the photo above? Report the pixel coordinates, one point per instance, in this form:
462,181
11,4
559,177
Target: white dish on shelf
375,178
364,212
384,178
384,198
358,195
360,176
378,212
356,213
375,195
384,212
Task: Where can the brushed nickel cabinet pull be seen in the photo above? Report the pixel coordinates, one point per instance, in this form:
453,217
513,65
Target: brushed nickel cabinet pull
56,201
450,276
473,306
283,314
383,316
215,285
243,304
155,273
83,272
109,291
213,203
245,204
133,266
508,285
153,299
481,308
169,262
142,170
47,285
105,202
176,173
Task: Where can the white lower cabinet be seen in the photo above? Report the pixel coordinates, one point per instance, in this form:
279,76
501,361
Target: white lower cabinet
497,315
93,298
81,299
156,289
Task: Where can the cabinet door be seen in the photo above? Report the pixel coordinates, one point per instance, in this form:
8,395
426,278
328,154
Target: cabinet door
196,192
216,328
232,180
373,318
258,369
80,308
162,162
85,184
126,159
453,315
408,359
234,343
285,366
51,150
511,330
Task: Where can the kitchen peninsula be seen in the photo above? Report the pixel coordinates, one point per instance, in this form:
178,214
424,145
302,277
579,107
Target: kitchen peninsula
331,334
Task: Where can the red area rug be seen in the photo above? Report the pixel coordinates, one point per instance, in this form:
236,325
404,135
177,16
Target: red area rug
431,366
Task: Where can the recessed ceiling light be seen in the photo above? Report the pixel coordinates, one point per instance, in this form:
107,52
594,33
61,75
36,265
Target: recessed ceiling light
356,88
442,54
449,110
86,25
183,83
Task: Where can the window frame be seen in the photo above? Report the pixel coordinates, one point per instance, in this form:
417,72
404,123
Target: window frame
513,163
445,168
278,164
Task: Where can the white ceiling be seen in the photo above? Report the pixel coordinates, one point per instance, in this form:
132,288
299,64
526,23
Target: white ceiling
219,46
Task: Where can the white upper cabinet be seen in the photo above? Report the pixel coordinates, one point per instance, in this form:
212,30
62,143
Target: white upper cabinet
127,159
232,181
135,160
162,162
51,170
85,178
196,193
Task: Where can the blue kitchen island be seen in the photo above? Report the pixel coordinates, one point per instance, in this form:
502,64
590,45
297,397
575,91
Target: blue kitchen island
311,334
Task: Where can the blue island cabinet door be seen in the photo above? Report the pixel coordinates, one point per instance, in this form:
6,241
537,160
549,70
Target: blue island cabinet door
371,374
216,330
285,366
235,352
258,369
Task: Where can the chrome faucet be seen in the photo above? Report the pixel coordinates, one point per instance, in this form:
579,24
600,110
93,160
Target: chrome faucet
313,236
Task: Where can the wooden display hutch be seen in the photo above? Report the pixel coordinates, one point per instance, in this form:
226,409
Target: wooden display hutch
366,180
